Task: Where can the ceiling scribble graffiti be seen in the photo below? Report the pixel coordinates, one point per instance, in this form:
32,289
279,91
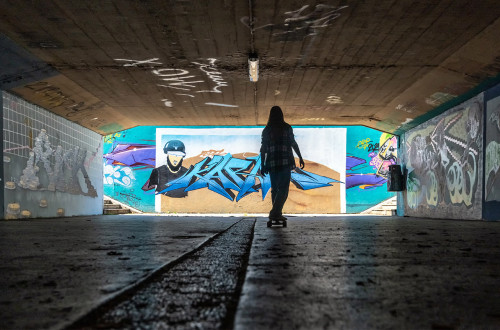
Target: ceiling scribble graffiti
381,64
302,22
181,79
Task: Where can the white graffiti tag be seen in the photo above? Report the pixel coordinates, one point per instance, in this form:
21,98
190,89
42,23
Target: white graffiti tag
176,78
167,102
135,63
333,99
300,23
181,79
211,71
312,18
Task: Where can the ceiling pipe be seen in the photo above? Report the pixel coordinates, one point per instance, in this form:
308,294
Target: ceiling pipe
253,62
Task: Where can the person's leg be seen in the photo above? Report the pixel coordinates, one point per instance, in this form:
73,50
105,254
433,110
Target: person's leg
283,190
274,190
274,185
282,184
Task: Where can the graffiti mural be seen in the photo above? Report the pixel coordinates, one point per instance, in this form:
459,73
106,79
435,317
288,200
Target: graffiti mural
444,162
133,155
492,150
370,153
230,180
162,176
128,158
63,175
226,175
207,170
387,154
217,170
48,173
118,175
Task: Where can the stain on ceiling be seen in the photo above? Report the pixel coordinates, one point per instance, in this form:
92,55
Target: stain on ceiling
110,65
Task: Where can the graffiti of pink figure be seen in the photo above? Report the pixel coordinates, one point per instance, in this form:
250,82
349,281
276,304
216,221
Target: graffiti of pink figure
387,155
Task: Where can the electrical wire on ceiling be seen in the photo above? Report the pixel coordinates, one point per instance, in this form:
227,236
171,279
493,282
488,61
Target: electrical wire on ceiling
252,47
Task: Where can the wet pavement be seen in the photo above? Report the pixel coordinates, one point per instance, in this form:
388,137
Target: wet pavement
340,272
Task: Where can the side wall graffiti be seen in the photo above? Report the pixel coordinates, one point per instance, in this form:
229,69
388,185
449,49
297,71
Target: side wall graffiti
217,170
1,163
52,167
444,160
492,150
492,155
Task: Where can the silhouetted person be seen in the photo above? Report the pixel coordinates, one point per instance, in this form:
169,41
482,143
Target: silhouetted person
277,159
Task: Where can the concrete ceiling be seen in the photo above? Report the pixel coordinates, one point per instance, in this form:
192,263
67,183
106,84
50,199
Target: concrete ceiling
114,64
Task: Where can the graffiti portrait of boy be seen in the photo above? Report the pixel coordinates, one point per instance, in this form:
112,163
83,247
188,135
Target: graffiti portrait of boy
172,170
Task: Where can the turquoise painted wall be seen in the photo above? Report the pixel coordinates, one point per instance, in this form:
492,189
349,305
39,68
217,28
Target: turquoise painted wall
130,155
124,182
363,145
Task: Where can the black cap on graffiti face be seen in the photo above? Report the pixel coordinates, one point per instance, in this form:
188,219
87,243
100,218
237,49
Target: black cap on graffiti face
174,146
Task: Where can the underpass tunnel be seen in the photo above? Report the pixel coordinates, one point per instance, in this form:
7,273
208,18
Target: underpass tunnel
131,135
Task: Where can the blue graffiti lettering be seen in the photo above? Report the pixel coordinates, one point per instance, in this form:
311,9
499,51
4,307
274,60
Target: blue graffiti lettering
225,174
249,185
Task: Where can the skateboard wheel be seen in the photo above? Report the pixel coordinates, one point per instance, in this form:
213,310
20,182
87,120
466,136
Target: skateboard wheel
284,223
269,224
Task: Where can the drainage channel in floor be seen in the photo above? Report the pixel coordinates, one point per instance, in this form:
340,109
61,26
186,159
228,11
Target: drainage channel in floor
198,291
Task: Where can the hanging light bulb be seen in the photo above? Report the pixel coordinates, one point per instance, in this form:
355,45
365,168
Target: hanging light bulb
253,67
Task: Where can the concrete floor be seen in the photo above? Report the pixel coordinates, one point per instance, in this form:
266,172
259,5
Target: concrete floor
342,272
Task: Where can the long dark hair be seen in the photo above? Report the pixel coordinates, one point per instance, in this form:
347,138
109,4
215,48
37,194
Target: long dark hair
276,123
276,118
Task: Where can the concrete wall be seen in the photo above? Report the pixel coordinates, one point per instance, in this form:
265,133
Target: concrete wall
346,169
51,166
444,159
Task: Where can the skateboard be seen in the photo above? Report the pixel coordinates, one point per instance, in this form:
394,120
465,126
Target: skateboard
272,222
